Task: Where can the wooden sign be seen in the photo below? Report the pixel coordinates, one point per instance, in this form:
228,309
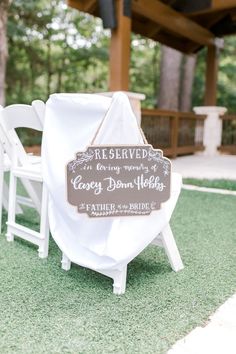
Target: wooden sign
118,180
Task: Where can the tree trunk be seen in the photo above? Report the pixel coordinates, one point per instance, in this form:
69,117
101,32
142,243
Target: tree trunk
155,66
187,83
49,66
4,4
170,78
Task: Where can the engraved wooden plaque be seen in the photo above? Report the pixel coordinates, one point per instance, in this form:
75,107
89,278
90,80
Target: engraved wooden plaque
118,180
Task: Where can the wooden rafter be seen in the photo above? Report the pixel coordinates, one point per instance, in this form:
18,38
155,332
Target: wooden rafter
90,5
222,4
177,44
216,5
233,15
214,19
143,29
207,20
153,29
76,4
172,20
211,76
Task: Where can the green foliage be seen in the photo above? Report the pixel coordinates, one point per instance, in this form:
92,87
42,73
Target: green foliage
226,93
53,48
215,183
227,75
144,69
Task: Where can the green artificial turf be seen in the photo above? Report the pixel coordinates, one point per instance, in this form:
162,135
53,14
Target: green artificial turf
47,310
215,183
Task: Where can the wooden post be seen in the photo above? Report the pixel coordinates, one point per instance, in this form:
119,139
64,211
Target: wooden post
174,134
211,76
120,51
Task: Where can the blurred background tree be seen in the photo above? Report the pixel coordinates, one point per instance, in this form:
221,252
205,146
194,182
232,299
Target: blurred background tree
53,49
4,6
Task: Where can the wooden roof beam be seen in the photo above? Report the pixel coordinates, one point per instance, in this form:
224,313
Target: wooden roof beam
216,5
233,16
193,48
144,30
172,20
222,4
151,29
76,4
90,5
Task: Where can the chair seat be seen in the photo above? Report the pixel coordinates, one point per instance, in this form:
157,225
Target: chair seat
32,171
32,159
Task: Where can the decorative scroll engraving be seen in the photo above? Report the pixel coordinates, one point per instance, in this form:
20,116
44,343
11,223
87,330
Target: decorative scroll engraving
118,180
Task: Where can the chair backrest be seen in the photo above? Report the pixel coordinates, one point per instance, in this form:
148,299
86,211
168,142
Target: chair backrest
4,140
18,116
1,144
39,107
21,116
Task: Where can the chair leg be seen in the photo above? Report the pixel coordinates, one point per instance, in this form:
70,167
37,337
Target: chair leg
5,194
5,197
119,284
11,206
65,262
1,197
1,182
171,249
44,225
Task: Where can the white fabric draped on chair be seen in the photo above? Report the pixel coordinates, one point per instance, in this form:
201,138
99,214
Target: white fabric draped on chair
106,245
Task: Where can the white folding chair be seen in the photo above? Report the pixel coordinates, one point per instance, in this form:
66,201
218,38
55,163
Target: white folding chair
5,164
106,246
28,169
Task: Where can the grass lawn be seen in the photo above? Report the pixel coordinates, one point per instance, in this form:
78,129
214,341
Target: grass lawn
215,183
47,310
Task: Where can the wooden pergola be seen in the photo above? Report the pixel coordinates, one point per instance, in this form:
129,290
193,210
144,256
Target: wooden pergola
185,25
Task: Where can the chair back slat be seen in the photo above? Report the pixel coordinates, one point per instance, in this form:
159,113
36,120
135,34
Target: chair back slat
28,169
39,107
4,140
17,116
21,116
